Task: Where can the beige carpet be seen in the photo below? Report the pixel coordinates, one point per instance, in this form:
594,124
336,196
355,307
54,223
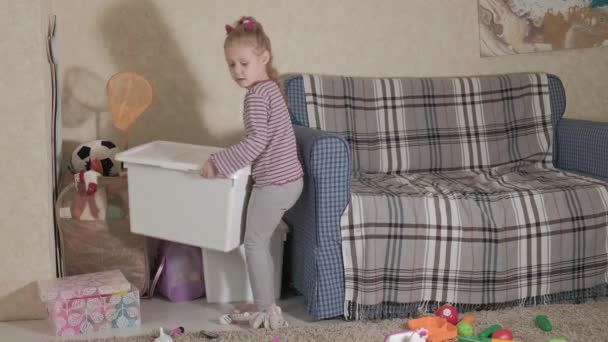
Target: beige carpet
586,322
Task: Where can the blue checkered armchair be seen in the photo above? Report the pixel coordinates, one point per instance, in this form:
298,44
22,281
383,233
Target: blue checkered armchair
314,249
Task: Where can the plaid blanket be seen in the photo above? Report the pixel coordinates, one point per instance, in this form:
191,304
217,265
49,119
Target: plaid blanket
454,198
434,125
480,238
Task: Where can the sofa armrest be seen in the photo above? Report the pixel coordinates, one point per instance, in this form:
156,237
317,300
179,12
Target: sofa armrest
326,161
582,146
315,244
323,153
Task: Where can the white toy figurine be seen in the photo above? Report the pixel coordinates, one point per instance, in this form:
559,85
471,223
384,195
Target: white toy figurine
162,337
407,336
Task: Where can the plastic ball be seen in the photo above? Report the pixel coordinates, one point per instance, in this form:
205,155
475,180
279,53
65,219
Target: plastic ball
448,312
465,329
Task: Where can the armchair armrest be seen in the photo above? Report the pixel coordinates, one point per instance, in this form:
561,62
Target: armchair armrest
582,146
326,161
315,244
323,153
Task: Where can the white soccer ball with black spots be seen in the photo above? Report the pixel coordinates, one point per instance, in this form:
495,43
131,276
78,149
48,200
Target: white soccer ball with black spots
103,150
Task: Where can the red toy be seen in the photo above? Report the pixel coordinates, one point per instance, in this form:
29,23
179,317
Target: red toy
448,312
89,178
503,334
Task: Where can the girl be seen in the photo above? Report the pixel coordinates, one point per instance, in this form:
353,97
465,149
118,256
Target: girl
269,146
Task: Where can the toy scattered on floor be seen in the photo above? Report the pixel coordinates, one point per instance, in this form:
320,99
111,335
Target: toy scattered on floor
241,317
543,323
479,339
423,332
163,337
494,333
465,329
203,334
176,332
468,339
448,312
408,336
438,328
173,333
557,340
502,334
490,330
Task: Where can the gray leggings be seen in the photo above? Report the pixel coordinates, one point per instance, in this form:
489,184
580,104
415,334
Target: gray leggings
264,213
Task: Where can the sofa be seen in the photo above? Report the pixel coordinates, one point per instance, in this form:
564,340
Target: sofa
472,191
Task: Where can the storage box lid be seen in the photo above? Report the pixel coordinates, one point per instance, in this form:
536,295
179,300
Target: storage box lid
83,285
173,155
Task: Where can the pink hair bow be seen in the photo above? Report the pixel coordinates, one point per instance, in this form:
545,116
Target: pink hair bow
249,25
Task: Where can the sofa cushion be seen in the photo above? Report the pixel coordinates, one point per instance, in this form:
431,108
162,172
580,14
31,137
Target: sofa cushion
434,124
504,235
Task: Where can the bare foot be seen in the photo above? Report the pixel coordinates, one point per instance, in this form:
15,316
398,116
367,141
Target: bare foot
244,307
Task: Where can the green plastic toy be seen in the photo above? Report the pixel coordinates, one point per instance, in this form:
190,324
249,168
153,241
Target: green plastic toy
489,331
465,329
473,339
543,323
557,340
468,339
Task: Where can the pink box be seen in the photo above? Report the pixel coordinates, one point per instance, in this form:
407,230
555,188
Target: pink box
90,302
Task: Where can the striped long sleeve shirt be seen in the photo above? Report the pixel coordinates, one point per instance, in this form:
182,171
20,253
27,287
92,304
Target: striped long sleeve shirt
269,144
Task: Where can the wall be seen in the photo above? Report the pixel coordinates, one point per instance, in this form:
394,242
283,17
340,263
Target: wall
26,239
178,46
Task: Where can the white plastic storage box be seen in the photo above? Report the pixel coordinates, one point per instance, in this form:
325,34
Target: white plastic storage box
169,199
226,276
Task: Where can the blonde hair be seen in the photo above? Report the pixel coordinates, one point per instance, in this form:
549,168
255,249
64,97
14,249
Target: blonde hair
249,30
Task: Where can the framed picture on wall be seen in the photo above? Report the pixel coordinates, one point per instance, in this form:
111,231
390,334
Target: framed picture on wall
523,26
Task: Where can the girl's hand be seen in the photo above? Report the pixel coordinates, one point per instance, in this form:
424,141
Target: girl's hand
209,169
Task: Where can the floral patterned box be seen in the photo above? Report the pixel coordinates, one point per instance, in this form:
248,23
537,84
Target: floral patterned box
90,302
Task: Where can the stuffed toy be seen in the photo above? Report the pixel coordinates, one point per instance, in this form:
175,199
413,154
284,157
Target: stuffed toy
91,203
89,178
89,207
96,155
